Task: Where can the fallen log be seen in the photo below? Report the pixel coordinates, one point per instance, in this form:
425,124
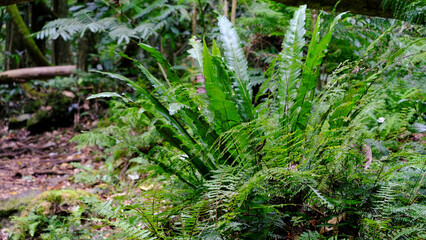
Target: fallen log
26,74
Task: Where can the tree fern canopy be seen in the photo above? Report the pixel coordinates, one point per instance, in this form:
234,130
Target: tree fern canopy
118,30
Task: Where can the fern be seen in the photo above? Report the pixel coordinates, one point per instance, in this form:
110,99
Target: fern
252,169
114,216
85,20
237,62
411,11
290,63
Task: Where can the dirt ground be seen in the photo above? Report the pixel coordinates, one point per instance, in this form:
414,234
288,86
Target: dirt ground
31,164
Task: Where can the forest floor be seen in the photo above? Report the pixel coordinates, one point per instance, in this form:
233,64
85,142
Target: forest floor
32,164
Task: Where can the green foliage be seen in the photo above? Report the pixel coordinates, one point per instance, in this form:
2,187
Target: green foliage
389,216
291,165
411,11
112,215
53,215
85,19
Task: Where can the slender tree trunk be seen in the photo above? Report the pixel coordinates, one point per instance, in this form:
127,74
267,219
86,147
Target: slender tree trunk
86,46
194,18
225,8
34,52
61,49
39,14
20,36
233,11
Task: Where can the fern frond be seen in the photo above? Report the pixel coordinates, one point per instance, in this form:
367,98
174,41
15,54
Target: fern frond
386,196
114,216
407,232
219,91
411,11
196,51
290,62
237,62
165,13
151,7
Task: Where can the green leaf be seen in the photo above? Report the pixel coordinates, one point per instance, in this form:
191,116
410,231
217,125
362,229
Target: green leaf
290,62
219,92
400,51
33,228
417,128
198,163
310,73
237,62
107,94
156,83
171,74
196,51
215,49
377,40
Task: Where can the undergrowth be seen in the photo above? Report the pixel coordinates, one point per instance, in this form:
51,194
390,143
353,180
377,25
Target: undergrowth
286,161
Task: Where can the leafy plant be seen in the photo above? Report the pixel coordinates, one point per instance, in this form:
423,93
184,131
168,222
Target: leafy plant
283,165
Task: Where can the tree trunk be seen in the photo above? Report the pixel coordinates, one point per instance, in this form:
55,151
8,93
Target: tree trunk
233,11
225,8
61,49
39,17
34,52
86,46
194,19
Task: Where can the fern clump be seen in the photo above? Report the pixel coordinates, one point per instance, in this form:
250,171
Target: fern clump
291,163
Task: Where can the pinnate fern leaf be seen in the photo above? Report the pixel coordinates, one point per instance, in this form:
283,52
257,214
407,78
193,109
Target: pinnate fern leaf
290,61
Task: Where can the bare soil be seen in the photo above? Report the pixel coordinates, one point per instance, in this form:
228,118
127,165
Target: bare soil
30,164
